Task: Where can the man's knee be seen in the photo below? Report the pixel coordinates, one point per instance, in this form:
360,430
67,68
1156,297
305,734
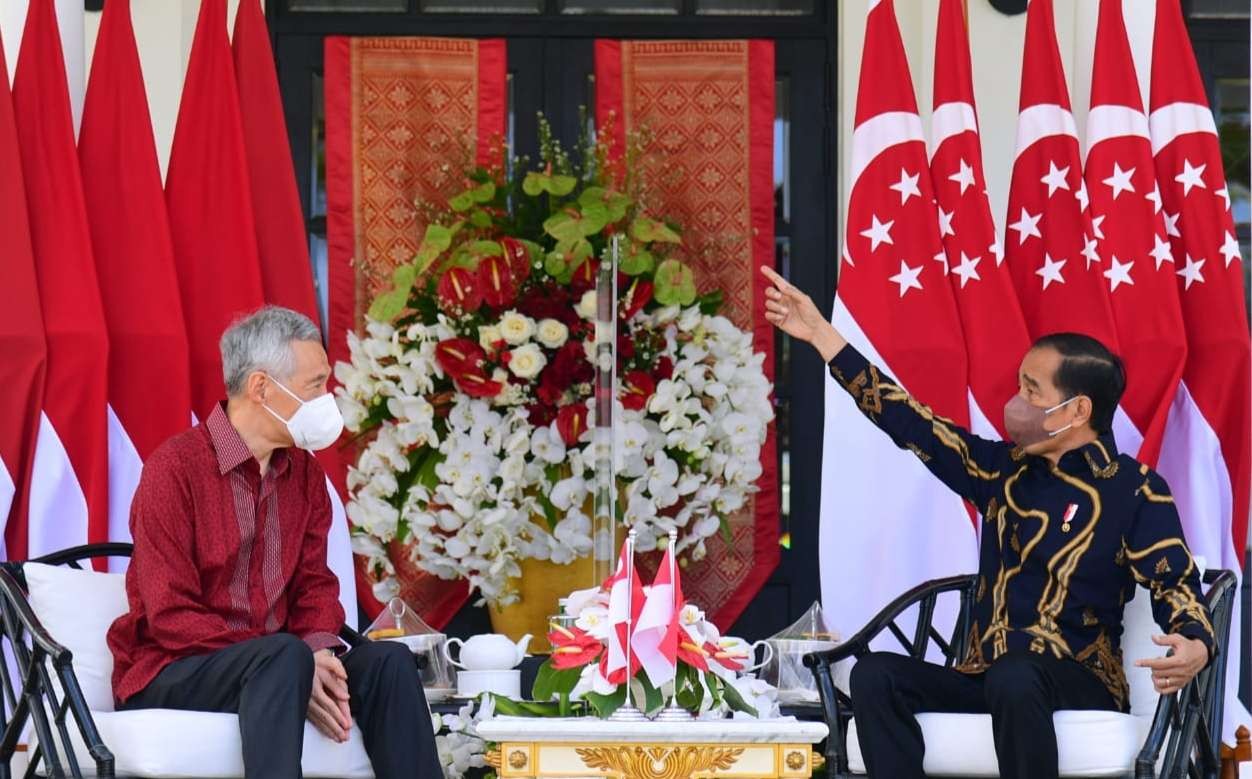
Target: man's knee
388,658
874,675
1016,679
285,655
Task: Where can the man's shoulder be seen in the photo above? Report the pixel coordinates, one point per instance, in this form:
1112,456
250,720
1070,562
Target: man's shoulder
1142,479
181,451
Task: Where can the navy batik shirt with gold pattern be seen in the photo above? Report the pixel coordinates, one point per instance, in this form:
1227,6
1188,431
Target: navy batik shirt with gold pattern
1063,545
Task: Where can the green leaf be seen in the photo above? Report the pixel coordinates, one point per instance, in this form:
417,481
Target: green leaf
557,266
387,306
675,284
533,184
615,203
564,225
462,201
713,683
483,193
436,241
425,474
480,218
536,182
595,217
650,230
711,302
486,249
652,698
736,702
550,682
605,705
723,525
549,511
561,185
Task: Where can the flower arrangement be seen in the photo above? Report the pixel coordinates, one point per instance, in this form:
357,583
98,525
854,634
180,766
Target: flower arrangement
709,680
461,749
470,391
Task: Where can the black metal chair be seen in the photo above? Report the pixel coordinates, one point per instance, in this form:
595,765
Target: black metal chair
44,692
1186,727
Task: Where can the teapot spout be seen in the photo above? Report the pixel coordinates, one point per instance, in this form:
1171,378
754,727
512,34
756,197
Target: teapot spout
522,646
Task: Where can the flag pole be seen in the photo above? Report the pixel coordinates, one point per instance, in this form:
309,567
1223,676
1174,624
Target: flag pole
628,712
673,712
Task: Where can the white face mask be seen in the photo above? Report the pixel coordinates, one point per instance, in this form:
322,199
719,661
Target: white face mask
316,424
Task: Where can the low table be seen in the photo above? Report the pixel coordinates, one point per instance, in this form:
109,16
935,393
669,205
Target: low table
590,747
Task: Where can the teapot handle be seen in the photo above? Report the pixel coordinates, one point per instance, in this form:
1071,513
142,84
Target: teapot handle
769,655
447,652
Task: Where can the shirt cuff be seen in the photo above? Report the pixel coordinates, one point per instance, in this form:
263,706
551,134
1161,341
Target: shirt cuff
847,364
1197,631
319,640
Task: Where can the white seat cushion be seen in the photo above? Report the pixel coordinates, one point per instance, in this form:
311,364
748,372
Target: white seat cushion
201,745
1089,743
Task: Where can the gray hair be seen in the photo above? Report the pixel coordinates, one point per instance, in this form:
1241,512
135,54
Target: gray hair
261,341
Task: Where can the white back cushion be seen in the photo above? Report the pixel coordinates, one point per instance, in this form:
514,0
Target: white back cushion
1138,627
77,608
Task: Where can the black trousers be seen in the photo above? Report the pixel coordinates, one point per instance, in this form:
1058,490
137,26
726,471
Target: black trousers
1021,690
267,682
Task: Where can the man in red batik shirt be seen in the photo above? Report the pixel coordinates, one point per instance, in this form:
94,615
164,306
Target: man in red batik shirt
232,605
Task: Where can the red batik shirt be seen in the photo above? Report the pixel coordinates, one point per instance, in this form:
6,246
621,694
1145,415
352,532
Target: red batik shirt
222,553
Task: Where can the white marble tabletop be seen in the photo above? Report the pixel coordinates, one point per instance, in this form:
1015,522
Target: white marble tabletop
786,730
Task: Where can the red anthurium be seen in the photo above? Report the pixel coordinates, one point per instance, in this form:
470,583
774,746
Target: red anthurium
517,256
476,384
637,388
637,296
571,423
692,654
458,355
459,291
585,276
496,281
731,661
573,648
664,369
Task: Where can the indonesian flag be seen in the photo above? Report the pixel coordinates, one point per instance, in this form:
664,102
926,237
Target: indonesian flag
1050,246
895,305
69,484
1205,457
282,243
149,386
656,635
992,322
21,328
625,604
207,193
1130,231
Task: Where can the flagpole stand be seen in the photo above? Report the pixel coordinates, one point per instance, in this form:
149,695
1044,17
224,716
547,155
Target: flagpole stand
627,712
673,713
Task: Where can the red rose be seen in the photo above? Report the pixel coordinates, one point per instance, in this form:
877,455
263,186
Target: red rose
518,257
458,291
625,346
550,391
551,301
585,276
637,296
637,388
540,415
571,423
496,280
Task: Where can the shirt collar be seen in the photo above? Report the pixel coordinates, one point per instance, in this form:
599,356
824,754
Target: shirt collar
229,447
1099,457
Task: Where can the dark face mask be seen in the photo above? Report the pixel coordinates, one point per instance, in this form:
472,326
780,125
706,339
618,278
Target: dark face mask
1023,421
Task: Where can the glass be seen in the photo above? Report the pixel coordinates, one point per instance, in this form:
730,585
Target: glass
317,176
348,6
755,7
482,6
620,6
782,394
1219,9
782,150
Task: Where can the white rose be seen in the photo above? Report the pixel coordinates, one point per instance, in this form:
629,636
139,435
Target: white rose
516,328
526,361
586,307
488,335
552,334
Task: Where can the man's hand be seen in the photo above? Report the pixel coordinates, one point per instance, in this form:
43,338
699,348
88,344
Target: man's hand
1171,674
328,705
793,312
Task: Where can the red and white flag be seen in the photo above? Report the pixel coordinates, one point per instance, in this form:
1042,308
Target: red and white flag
282,243
1205,457
894,305
992,322
69,485
208,196
655,639
1130,230
21,328
1050,245
625,604
149,387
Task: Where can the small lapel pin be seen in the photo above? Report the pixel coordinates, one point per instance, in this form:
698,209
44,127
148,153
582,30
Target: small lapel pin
1070,511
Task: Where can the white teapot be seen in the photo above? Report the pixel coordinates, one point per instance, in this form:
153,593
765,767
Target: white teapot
487,652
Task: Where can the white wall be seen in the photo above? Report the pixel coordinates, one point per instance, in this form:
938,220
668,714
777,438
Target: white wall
996,42
163,30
